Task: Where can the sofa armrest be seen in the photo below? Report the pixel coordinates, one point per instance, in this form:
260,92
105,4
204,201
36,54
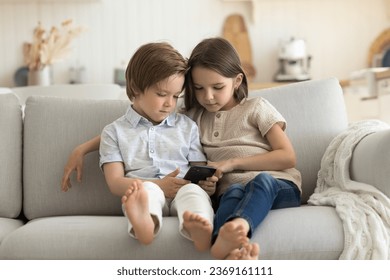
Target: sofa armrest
370,161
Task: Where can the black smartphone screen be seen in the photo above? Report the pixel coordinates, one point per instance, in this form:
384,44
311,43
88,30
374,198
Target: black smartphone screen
199,173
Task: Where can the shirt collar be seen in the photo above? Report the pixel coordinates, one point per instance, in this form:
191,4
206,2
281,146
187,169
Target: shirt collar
135,119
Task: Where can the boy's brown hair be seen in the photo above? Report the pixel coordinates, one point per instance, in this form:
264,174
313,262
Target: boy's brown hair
150,64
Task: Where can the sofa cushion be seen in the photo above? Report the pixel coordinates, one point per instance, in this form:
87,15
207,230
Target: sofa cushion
307,232
315,113
10,156
52,128
301,233
8,225
94,237
372,152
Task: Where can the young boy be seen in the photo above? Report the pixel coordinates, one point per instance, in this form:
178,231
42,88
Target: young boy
145,153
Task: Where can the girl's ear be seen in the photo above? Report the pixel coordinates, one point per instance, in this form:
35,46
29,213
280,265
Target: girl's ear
238,80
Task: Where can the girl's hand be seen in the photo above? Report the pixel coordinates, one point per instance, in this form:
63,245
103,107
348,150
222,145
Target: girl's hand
209,185
75,163
225,166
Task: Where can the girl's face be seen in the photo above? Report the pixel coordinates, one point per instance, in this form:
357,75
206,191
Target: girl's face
214,91
159,101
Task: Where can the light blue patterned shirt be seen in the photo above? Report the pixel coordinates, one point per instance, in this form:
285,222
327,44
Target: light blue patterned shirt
151,151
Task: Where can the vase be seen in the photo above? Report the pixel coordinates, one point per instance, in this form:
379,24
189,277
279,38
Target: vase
40,77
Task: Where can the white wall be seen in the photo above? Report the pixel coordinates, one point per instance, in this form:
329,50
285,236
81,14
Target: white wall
338,32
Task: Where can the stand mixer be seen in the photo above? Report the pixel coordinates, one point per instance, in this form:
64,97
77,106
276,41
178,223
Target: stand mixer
294,61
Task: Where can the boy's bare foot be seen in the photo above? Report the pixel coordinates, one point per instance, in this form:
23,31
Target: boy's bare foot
137,210
249,251
231,236
199,229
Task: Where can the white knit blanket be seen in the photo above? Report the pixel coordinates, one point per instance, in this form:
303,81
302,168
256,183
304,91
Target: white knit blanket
363,209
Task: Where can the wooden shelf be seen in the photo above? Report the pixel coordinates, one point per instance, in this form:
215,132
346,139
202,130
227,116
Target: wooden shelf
264,85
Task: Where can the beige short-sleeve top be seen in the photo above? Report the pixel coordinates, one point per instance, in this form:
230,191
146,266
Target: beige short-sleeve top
240,132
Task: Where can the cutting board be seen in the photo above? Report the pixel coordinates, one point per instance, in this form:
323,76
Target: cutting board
235,31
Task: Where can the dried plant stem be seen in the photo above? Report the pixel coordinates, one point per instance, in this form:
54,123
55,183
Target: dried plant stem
48,48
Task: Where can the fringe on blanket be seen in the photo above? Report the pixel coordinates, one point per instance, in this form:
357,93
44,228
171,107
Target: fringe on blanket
363,209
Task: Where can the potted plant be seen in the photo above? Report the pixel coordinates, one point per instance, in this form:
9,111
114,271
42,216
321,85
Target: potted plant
47,48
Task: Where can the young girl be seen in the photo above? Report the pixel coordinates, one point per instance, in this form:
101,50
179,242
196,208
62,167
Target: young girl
244,139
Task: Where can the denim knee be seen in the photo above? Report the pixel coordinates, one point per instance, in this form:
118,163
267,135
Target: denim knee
265,182
231,197
227,203
234,191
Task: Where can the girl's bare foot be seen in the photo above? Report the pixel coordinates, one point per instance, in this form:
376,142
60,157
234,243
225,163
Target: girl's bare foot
249,251
199,229
137,210
231,236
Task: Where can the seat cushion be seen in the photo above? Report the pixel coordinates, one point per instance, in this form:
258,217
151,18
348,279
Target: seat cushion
7,226
303,233
94,237
307,232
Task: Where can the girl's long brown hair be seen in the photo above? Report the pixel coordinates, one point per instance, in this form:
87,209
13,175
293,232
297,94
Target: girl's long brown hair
219,55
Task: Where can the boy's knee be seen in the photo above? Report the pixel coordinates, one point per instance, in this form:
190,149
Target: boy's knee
154,190
191,189
149,185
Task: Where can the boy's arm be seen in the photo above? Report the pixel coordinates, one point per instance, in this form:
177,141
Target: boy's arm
114,174
76,161
118,184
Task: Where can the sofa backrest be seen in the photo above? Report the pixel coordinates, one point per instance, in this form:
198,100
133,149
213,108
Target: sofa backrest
314,110
10,156
52,128
315,113
73,91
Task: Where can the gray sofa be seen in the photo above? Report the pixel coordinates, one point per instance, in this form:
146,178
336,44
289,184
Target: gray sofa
38,221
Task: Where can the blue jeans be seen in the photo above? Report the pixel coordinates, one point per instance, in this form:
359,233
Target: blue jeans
254,201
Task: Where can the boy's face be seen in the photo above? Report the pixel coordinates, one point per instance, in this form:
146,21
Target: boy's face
159,101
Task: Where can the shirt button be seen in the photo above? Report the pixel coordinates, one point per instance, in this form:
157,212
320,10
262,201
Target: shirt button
152,151
216,134
152,128
218,115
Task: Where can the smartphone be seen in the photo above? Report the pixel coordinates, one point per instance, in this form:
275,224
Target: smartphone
199,173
